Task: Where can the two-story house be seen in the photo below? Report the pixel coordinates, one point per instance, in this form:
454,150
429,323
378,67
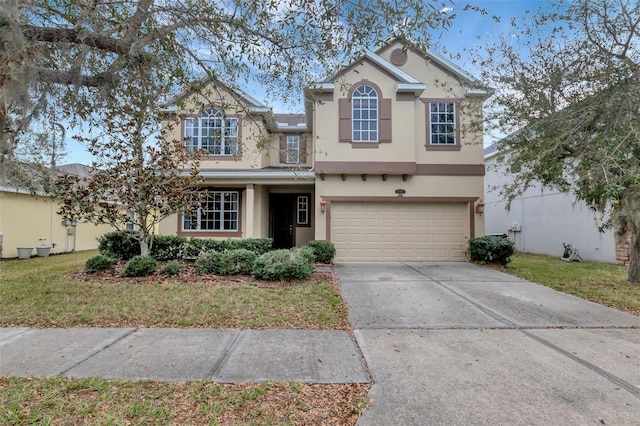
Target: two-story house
387,162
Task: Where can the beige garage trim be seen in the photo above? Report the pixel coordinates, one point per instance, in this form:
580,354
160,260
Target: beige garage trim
394,231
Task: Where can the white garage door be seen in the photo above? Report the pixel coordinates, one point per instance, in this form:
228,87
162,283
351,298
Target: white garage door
399,231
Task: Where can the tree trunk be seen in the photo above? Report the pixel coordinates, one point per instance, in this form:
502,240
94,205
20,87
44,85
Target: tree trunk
145,244
634,260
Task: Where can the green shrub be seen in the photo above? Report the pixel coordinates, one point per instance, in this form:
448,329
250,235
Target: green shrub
119,244
323,251
209,263
140,266
257,245
243,259
167,247
491,249
172,268
99,263
196,247
226,263
283,265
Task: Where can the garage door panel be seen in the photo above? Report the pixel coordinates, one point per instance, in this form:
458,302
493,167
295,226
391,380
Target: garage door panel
399,231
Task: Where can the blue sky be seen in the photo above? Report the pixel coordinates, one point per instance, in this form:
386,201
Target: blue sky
468,30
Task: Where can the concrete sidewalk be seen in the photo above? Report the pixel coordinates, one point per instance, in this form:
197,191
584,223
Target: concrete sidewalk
225,356
459,344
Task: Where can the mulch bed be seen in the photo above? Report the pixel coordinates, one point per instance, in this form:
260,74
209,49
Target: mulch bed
188,274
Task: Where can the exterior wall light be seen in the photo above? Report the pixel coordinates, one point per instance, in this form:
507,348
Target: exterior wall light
323,206
480,207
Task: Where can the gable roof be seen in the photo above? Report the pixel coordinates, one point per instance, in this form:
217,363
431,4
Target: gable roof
250,103
405,82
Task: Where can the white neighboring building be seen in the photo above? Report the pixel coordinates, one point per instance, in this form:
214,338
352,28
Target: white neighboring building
541,220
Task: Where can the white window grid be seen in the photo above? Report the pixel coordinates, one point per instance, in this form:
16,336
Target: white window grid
293,149
217,212
303,210
364,114
443,123
212,133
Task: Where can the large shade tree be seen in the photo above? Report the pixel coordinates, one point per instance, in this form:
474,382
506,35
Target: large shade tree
568,93
74,54
108,64
139,175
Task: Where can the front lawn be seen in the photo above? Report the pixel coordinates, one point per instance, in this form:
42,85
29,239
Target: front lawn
598,282
98,402
47,292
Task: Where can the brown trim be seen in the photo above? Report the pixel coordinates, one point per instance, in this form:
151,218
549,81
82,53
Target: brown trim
405,96
469,200
210,234
436,147
385,105
450,169
221,157
369,167
327,214
360,145
309,210
430,147
324,97
472,220
398,168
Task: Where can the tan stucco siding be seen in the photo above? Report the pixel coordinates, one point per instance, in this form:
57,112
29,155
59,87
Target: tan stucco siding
422,187
30,221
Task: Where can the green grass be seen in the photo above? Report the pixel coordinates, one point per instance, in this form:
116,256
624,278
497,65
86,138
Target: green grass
598,282
41,292
95,401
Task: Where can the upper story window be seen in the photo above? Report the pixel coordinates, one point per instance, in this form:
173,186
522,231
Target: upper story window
212,132
293,149
442,123
364,114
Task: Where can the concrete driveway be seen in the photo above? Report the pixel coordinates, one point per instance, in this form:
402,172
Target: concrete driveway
455,343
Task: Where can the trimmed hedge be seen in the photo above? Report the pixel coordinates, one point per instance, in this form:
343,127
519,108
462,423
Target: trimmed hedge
172,268
491,249
284,265
196,247
122,245
140,266
167,247
99,263
231,262
323,251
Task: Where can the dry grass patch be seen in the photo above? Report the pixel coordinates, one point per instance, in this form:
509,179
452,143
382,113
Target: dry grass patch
99,402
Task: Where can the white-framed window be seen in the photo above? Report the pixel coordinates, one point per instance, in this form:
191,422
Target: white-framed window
212,132
364,114
302,209
442,120
218,211
293,149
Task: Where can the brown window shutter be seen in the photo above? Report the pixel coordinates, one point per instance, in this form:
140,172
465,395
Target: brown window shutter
283,149
344,107
385,120
303,149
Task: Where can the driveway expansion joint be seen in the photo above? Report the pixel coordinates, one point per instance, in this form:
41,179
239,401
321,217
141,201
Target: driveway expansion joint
98,350
216,367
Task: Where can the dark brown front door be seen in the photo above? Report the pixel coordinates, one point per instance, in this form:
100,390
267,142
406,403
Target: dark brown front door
282,208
